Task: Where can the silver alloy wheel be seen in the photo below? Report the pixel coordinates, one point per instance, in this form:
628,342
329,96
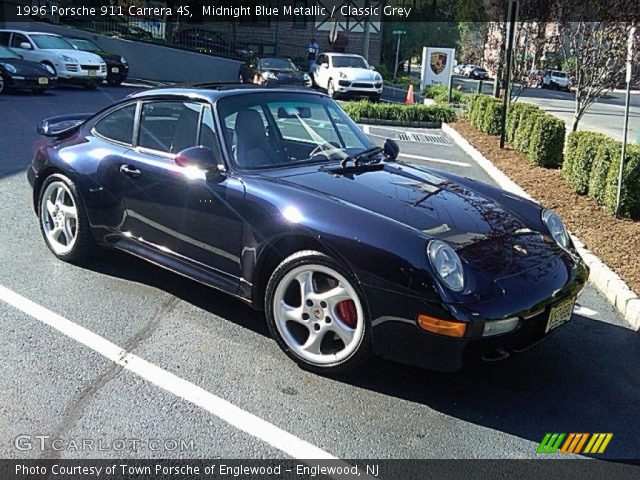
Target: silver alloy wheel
59,217
328,340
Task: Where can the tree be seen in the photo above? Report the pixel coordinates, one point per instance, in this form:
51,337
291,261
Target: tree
471,45
596,52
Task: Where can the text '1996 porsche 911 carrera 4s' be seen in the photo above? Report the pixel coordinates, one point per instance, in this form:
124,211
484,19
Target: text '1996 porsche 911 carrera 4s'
276,197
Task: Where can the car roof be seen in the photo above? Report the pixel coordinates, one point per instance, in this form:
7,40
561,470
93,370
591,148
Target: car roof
338,54
213,92
25,32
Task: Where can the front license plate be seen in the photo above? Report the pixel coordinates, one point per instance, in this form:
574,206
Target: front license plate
560,313
115,70
43,81
92,73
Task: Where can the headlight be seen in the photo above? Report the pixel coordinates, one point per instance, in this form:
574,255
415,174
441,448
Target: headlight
65,58
378,77
123,60
8,67
556,228
268,75
447,264
342,75
50,69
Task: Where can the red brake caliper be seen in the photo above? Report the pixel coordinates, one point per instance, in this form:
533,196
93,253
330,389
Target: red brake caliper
347,311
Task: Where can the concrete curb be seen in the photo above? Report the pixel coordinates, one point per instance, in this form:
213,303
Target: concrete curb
608,283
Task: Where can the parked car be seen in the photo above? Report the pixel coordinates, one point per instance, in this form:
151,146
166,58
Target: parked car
17,73
467,69
117,66
478,73
53,51
273,70
556,79
276,197
459,69
343,74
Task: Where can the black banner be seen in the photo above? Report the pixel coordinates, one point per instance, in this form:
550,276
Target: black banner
131,469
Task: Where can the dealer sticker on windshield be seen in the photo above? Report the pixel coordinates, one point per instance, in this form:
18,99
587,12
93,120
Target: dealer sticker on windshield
560,313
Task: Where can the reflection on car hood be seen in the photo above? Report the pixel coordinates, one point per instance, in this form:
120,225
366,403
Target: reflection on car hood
26,68
484,233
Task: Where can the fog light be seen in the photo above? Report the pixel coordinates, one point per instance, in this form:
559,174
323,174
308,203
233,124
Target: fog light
441,327
496,327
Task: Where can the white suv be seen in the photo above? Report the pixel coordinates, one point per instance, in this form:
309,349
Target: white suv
342,74
58,55
555,79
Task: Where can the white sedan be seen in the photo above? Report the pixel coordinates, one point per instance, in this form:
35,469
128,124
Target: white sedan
342,74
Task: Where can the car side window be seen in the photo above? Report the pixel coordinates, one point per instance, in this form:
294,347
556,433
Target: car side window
169,127
4,38
208,137
17,39
118,126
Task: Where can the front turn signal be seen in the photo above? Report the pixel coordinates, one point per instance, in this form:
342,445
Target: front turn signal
441,327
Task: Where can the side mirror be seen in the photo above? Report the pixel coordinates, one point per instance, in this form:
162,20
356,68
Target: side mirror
25,45
200,158
391,149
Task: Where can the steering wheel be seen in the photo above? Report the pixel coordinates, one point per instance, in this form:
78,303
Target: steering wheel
323,147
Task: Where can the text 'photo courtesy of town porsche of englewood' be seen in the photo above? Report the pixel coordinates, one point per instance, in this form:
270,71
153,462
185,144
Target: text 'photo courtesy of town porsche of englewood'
319,239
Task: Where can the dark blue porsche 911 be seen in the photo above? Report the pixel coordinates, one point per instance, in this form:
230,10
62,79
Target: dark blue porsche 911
276,197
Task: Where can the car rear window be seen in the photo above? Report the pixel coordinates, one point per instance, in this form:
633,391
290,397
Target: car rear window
117,126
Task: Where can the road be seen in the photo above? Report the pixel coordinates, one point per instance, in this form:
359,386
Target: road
583,379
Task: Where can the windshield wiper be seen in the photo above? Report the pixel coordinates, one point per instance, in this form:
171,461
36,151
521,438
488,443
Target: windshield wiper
359,157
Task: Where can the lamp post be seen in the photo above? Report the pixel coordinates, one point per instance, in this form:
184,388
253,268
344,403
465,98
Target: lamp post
512,18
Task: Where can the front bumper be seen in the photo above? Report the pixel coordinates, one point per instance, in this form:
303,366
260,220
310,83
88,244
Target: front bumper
363,89
117,72
396,335
29,82
78,73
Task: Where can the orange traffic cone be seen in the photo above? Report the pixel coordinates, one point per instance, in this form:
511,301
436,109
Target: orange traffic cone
409,99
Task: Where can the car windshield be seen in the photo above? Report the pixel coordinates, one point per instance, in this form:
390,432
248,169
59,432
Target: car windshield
349,61
7,53
285,129
277,64
559,74
49,42
86,45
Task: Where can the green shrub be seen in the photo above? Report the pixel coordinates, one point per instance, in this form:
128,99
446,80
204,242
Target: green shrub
399,112
523,133
546,141
605,153
517,111
491,121
440,93
578,171
630,192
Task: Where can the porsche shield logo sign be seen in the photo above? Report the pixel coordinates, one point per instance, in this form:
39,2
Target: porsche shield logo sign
438,62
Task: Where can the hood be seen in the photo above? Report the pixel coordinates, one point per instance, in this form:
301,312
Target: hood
109,57
26,68
359,74
485,234
86,58
286,73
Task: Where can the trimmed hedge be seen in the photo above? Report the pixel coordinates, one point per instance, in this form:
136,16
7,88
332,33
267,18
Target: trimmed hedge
529,129
440,93
398,112
591,166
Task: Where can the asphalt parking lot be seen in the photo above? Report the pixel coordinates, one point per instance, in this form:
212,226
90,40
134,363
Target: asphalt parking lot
585,378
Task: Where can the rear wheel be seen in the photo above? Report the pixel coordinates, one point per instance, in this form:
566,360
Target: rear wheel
63,221
316,314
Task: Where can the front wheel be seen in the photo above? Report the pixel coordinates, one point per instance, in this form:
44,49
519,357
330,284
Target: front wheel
316,313
331,91
63,221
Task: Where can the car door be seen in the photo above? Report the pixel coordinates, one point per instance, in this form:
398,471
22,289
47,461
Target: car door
177,211
322,72
18,39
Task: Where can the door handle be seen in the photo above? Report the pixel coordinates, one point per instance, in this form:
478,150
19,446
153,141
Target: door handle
130,171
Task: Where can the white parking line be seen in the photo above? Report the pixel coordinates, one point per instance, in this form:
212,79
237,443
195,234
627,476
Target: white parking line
435,160
226,411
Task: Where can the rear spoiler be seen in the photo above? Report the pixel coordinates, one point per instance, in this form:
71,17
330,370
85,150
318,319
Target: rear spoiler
63,125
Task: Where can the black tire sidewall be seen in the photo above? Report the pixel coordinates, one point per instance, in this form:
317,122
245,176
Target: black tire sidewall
306,257
85,243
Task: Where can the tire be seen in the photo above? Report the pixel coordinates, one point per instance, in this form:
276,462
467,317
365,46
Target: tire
330,90
49,64
328,334
114,83
81,244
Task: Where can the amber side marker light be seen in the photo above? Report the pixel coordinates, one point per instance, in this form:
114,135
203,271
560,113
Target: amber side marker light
441,327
